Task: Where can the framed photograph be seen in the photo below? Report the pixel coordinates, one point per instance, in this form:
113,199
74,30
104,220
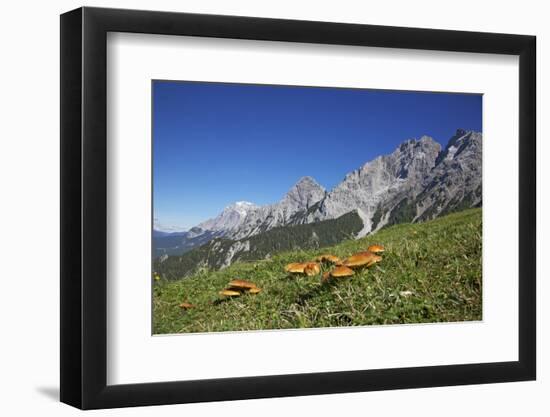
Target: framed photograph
257,208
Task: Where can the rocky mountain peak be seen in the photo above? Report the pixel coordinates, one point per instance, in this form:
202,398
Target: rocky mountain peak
304,193
459,137
412,159
412,147
307,181
460,142
380,179
230,218
461,132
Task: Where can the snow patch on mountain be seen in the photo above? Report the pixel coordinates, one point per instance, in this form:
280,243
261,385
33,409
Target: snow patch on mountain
230,218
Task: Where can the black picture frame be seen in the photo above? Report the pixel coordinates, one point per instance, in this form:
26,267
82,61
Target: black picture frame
84,207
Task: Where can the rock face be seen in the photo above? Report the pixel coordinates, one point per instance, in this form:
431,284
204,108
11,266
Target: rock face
456,180
418,181
244,219
379,181
454,183
304,194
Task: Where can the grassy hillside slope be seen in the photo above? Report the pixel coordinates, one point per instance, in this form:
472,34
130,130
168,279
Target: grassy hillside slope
280,239
431,272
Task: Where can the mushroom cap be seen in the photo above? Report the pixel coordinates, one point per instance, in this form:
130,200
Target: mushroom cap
374,260
185,305
341,272
254,290
296,267
241,284
362,259
358,259
229,293
376,249
311,269
329,258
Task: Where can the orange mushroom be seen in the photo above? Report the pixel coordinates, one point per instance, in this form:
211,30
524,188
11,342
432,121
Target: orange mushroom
376,249
240,285
254,290
341,272
311,269
329,258
362,259
296,267
375,260
186,306
229,293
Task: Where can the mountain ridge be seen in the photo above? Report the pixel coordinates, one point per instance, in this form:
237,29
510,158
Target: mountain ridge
418,181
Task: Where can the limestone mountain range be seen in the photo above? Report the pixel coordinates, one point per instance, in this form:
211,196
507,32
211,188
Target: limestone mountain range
418,181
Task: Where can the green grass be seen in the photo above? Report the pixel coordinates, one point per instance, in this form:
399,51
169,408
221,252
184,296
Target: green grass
439,262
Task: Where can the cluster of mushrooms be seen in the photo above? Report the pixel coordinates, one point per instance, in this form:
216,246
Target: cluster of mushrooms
342,268
235,288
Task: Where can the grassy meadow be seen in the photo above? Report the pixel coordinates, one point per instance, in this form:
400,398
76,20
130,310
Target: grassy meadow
430,272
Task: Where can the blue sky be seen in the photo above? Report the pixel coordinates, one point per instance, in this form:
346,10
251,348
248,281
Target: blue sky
216,143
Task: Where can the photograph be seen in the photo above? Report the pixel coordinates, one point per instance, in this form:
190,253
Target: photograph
278,207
